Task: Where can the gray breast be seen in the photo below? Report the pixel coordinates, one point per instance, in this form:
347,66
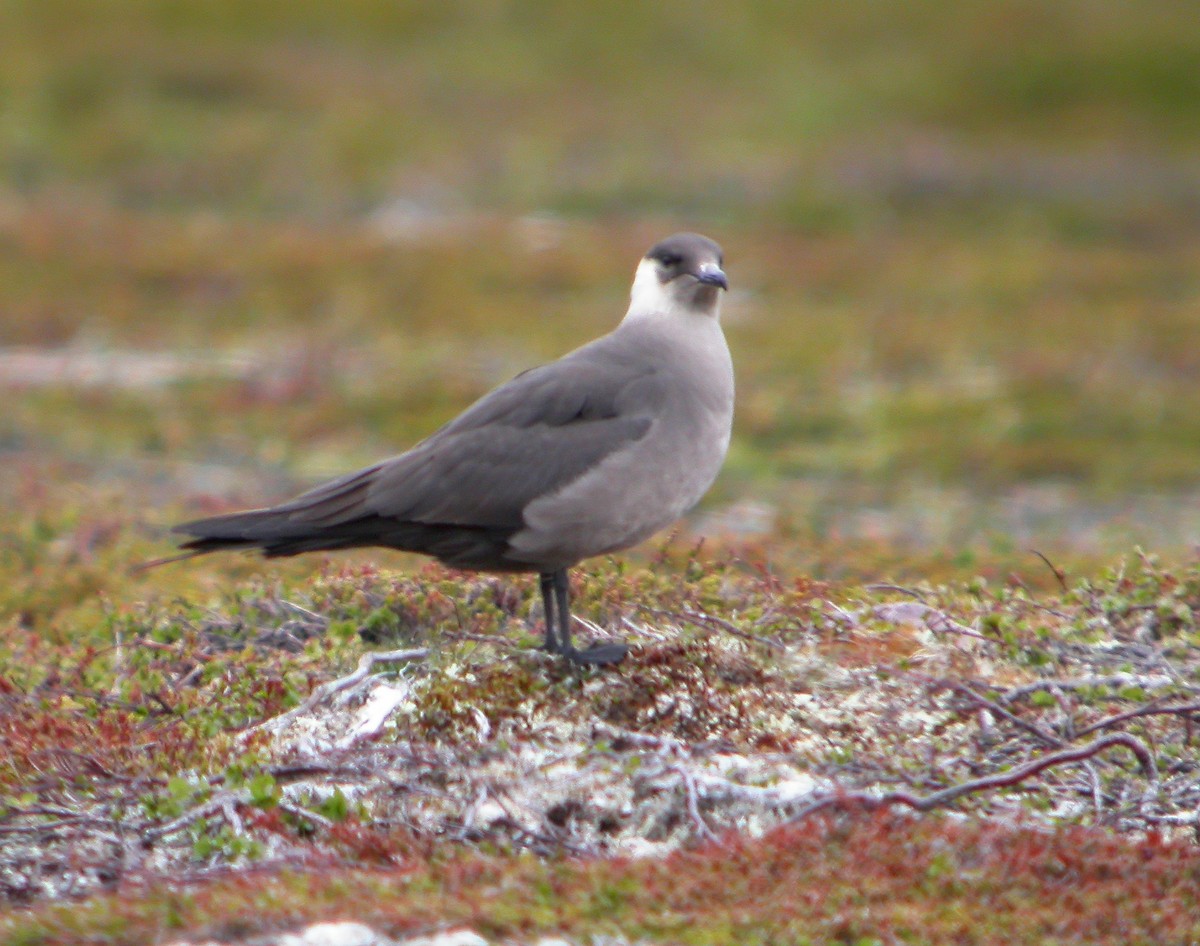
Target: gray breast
647,483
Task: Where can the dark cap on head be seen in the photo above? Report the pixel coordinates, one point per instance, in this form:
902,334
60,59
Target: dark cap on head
689,254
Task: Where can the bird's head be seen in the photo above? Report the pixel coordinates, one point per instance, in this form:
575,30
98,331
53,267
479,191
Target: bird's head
681,272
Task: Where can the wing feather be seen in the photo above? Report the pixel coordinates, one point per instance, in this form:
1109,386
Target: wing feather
473,478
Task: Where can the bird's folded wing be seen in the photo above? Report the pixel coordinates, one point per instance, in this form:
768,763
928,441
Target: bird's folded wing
486,477
527,439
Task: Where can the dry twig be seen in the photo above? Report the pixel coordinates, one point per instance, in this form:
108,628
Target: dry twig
691,795
1151,709
366,664
702,619
996,709
1078,683
1001,780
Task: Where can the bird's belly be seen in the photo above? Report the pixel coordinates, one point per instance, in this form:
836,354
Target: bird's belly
624,500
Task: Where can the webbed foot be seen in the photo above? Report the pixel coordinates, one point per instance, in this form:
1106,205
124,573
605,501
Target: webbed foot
598,655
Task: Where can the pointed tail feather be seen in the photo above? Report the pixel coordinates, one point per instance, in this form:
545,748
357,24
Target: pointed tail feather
271,530
325,518
278,533
138,567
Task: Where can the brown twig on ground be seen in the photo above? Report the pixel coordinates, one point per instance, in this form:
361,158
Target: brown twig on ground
693,806
1001,780
218,803
49,827
995,708
1150,709
494,639
911,612
901,589
1059,575
699,618
366,664
296,811
1146,682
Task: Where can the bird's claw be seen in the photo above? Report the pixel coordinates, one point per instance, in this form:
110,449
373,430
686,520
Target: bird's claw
598,655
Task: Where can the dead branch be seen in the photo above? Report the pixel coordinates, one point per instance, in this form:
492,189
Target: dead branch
496,640
913,612
900,589
1078,683
226,804
51,827
307,814
1151,709
1059,575
214,805
993,707
693,806
1001,780
701,619
366,664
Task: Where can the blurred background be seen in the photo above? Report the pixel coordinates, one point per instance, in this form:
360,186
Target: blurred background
245,244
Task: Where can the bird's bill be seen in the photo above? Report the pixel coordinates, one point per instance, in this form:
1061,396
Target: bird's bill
712,275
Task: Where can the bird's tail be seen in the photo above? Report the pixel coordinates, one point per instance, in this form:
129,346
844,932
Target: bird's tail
165,560
274,531
339,515
332,516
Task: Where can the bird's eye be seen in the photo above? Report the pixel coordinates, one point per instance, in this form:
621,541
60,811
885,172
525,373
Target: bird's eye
670,259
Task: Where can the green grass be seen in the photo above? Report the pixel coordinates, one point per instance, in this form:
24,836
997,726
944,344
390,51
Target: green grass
296,107
967,241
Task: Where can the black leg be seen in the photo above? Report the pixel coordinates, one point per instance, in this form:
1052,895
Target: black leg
550,642
598,654
562,608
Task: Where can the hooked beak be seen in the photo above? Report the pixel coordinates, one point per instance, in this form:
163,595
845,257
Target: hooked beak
711,275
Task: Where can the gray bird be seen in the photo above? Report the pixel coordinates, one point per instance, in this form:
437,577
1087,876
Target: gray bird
587,455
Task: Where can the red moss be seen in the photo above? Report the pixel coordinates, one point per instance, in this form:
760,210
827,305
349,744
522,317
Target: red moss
835,879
